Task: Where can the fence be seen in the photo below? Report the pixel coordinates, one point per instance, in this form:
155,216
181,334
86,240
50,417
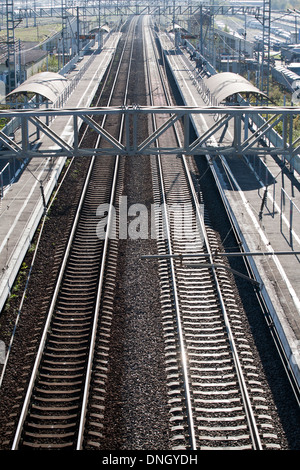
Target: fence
9,173
291,213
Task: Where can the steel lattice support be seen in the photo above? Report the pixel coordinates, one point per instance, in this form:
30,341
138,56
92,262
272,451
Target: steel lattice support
10,31
127,9
235,131
265,19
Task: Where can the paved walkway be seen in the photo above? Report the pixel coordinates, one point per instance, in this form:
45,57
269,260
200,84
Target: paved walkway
269,231
22,207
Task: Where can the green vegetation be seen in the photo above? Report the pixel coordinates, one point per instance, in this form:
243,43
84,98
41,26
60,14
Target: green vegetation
18,285
280,97
37,34
277,96
34,34
52,64
276,93
3,121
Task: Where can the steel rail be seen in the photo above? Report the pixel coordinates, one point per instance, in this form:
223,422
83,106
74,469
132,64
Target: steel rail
50,313
185,372
34,373
105,250
247,402
43,223
49,316
254,432
262,298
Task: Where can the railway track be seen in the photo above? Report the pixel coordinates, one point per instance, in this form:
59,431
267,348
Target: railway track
216,398
54,409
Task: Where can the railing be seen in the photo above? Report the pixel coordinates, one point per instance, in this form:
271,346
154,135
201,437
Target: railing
4,170
8,174
288,207
239,144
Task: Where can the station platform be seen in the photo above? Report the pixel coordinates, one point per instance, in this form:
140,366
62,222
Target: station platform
21,207
264,228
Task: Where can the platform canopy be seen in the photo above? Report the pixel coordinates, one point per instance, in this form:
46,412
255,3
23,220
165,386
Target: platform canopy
104,28
177,27
226,84
49,85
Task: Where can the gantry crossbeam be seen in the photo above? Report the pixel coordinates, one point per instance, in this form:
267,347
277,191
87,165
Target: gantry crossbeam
127,9
235,130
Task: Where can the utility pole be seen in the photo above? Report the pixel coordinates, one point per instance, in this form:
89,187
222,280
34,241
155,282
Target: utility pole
11,56
266,24
99,26
63,30
10,42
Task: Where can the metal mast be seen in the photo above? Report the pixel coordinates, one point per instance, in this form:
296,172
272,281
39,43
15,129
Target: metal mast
266,22
63,30
11,56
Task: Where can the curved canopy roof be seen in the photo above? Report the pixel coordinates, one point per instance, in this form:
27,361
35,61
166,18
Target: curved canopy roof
104,27
223,85
177,27
47,84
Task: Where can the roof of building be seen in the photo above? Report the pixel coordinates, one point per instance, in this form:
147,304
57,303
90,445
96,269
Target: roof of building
223,85
104,27
29,52
177,27
47,84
